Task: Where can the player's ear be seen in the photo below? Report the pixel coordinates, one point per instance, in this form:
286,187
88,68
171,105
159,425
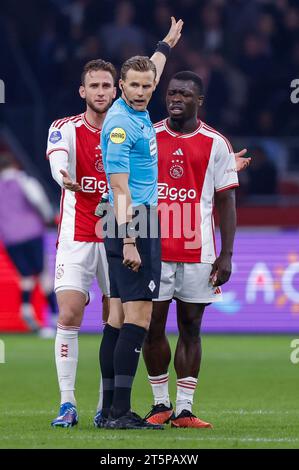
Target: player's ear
82,91
120,84
200,100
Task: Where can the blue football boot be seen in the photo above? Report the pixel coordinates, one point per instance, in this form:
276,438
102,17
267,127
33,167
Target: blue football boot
99,421
68,416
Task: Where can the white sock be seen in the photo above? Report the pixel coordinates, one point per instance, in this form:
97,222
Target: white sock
66,355
100,402
159,385
185,392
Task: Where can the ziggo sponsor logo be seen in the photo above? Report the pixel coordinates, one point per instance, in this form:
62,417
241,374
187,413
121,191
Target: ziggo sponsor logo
175,194
90,184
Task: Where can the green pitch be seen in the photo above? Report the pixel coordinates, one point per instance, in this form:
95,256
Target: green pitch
248,389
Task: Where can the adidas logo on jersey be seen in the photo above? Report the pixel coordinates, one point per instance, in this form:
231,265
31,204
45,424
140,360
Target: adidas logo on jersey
178,152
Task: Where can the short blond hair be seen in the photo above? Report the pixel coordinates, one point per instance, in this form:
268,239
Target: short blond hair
138,63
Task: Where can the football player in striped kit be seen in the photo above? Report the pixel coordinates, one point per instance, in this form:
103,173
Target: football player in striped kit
197,166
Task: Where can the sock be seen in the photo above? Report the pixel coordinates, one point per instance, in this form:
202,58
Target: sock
106,353
185,391
126,357
28,316
66,354
100,402
159,385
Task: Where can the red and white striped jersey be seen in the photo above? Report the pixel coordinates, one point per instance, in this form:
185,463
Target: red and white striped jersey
81,141
191,168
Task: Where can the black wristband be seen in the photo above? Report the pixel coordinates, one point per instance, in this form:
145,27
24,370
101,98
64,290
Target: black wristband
164,48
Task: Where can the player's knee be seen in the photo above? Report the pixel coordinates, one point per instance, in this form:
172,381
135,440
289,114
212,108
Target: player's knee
69,316
143,322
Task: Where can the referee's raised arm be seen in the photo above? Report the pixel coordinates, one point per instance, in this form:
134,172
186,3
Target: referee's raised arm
164,47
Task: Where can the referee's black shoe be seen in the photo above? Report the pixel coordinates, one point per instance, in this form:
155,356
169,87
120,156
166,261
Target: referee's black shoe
130,420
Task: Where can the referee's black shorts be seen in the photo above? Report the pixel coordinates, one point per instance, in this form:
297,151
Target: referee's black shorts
125,283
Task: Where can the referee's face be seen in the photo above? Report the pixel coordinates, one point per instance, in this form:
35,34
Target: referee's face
137,88
98,90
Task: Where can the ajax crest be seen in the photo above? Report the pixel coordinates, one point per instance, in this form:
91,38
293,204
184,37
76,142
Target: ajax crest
176,170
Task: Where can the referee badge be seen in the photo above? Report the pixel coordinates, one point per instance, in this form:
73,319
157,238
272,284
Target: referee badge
118,135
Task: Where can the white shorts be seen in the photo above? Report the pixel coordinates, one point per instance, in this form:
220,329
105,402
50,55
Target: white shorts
188,282
78,263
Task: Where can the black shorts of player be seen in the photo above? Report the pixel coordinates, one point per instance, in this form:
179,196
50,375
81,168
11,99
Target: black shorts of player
125,283
28,257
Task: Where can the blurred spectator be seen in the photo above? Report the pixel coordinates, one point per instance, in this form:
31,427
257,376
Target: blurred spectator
262,174
23,213
123,38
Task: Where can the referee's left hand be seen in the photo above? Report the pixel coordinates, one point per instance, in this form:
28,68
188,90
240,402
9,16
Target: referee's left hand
174,33
131,257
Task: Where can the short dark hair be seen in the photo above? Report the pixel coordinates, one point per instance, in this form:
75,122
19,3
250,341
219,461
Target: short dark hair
98,64
138,63
186,75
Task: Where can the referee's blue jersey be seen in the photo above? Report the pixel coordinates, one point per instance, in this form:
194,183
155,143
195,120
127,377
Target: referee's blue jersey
128,142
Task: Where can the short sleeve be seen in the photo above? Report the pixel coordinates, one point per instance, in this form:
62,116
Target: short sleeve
120,138
58,139
225,166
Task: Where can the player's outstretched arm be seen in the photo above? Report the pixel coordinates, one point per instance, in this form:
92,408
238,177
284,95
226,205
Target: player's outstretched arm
242,162
171,39
68,183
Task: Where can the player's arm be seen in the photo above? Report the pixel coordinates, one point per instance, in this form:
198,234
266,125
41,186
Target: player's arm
225,203
159,58
225,180
57,152
242,162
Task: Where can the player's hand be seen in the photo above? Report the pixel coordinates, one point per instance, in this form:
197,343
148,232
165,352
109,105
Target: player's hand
68,183
241,162
221,270
174,33
131,257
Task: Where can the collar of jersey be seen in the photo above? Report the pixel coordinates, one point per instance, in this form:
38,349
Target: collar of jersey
90,126
131,110
181,134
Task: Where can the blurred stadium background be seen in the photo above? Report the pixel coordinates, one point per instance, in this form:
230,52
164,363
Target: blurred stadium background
247,53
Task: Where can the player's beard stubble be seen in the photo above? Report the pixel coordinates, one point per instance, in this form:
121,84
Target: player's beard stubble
100,109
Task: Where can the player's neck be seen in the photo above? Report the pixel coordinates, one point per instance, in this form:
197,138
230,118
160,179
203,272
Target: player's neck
95,119
184,127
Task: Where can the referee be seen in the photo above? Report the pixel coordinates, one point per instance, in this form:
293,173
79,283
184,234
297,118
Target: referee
129,151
